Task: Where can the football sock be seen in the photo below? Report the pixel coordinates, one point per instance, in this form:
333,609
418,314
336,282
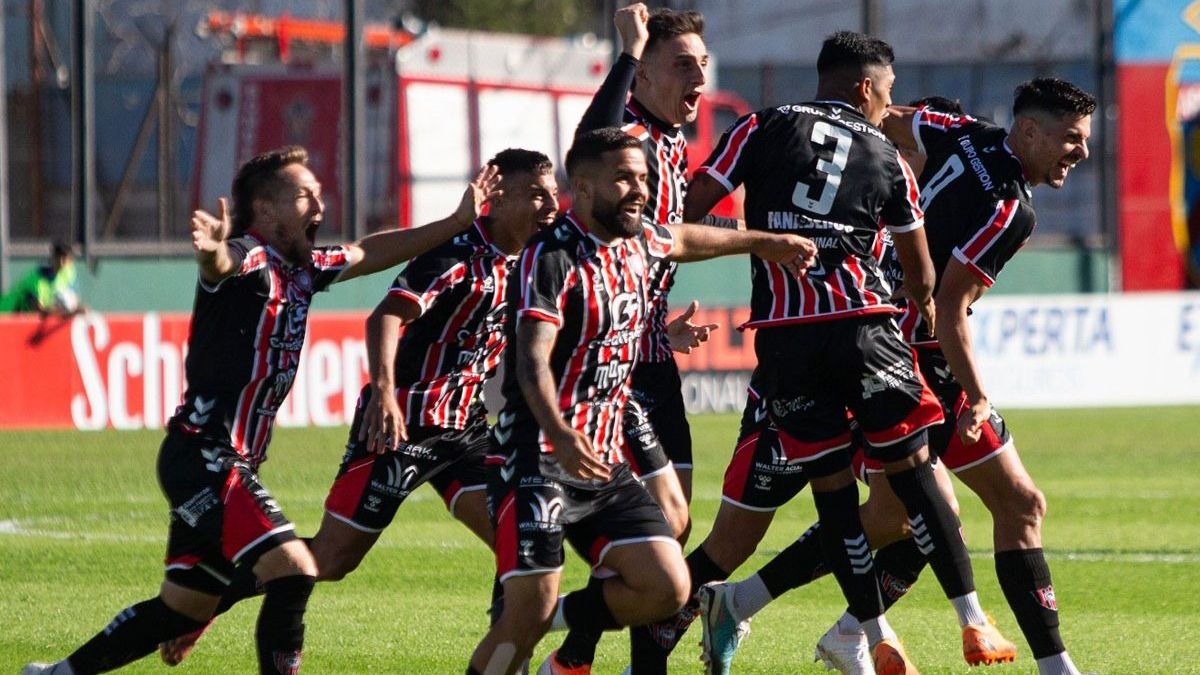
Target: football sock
935,528
846,550
1059,664
242,585
471,670
587,610
651,645
703,569
796,565
579,647
497,606
897,567
749,597
1025,578
878,630
132,634
280,629
969,611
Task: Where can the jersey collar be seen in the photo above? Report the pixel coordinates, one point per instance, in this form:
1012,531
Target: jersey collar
1020,166
583,229
640,112
258,239
480,226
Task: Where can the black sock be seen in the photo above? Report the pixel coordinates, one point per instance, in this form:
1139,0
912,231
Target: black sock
846,551
280,629
132,634
497,606
471,670
579,647
935,528
703,569
1025,578
897,567
244,584
650,646
587,609
796,565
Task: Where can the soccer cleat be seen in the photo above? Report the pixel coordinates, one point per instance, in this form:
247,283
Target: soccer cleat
890,659
175,650
984,645
551,666
847,654
45,668
723,633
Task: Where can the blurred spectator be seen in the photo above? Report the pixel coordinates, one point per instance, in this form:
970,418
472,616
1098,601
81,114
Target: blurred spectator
50,289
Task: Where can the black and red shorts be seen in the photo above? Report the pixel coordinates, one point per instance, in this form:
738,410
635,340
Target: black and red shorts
535,513
813,373
764,472
369,487
221,515
657,433
944,440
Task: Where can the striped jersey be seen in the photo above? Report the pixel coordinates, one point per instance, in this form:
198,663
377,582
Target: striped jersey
978,205
244,345
820,170
447,353
596,294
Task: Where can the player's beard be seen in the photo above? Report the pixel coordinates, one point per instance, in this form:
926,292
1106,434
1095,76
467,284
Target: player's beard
616,216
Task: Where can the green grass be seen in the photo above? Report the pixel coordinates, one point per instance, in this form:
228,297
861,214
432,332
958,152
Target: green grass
82,531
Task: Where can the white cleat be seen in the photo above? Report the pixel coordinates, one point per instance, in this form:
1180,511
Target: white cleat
847,654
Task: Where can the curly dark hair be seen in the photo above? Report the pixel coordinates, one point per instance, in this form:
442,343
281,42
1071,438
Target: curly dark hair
259,177
1054,96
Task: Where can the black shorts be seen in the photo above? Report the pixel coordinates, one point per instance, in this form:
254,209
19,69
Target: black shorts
369,487
221,515
813,373
534,514
657,433
765,471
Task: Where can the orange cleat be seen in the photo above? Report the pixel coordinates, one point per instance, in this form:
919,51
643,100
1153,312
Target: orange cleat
551,666
984,645
890,659
175,650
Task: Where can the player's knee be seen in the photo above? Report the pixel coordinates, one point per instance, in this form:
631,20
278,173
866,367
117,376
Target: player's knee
1025,504
290,559
668,590
337,566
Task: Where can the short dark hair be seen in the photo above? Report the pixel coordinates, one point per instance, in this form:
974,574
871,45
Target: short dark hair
847,50
256,178
519,160
665,24
1053,96
61,249
589,146
940,104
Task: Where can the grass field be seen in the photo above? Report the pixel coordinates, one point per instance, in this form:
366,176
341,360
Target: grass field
82,529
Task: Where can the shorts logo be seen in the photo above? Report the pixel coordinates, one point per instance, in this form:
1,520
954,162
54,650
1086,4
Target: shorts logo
546,512
526,549
400,477
891,377
1045,598
214,463
287,663
193,509
203,410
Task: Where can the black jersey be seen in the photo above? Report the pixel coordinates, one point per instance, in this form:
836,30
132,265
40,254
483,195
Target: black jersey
977,203
244,344
596,294
665,148
447,353
821,170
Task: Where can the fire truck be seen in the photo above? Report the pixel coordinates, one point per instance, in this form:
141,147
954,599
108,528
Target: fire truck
437,106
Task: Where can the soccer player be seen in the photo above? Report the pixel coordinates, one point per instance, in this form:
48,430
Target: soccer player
258,272
827,342
577,312
979,210
663,61
421,417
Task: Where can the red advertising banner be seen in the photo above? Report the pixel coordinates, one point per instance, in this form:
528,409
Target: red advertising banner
125,371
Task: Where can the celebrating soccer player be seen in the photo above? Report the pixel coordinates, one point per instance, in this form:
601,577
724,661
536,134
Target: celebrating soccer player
578,310
258,272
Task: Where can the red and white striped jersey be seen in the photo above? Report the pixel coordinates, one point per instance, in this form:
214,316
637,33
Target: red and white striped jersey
820,170
450,350
978,205
597,295
244,345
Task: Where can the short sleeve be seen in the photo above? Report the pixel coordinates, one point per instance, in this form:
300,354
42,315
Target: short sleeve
546,275
734,155
659,241
251,257
328,263
427,276
932,128
901,211
1002,229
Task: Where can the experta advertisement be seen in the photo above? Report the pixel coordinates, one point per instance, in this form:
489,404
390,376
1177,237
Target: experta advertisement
125,371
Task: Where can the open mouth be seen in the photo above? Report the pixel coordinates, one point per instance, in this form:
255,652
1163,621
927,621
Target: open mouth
633,208
690,101
310,230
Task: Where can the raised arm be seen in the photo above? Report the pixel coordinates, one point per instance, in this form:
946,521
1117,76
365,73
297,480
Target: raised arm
960,288
572,450
383,424
382,250
209,234
607,108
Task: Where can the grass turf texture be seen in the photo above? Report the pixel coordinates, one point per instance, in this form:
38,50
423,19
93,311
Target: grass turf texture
82,532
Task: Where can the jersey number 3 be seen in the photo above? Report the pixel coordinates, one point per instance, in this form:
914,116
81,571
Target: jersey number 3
822,132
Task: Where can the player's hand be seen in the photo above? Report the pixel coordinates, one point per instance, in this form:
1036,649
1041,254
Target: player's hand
793,252
683,335
632,25
383,425
479,192
972,419
928,312
209,231
574,454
